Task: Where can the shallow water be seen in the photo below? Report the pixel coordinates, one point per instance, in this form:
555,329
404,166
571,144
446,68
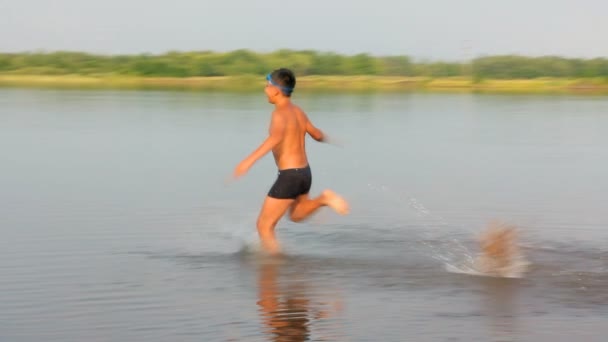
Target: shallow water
117,224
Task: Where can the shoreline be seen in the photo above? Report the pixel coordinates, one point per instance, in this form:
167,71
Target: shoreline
244,83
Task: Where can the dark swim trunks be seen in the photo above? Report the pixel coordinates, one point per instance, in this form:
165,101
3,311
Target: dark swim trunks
291,183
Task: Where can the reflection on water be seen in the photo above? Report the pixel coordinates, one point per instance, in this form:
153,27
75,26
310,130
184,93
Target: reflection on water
499,303
289,304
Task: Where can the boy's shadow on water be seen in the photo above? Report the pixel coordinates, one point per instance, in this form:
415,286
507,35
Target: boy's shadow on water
290,307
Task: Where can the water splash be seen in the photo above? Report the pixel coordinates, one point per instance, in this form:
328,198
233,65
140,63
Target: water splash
455,256
499,256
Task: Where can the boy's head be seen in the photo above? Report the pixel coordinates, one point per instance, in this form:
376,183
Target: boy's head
280,82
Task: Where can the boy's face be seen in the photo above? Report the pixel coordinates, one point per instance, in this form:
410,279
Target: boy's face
272,92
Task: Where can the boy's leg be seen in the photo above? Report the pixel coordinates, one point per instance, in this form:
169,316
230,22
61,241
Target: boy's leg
304,206
272,210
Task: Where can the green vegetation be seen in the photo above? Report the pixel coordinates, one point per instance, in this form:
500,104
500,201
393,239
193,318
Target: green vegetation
241,70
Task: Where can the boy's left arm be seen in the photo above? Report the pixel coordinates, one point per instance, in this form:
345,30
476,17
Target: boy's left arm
275,135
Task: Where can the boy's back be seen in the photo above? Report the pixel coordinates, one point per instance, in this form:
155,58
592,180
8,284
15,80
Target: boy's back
290,152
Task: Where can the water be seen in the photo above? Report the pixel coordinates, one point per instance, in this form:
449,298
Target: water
117,224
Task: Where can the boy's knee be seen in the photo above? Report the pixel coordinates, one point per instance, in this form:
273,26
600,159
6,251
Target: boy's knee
261,222
295,218
264,223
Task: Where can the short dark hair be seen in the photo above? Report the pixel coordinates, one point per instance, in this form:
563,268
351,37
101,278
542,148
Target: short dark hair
284,78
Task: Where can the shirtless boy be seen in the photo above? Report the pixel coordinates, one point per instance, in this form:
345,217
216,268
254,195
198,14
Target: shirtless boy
288,128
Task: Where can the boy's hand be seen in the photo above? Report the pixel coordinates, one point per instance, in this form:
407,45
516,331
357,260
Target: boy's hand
241,169
332,141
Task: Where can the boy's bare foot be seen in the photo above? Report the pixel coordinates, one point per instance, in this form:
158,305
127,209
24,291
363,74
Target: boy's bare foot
336,202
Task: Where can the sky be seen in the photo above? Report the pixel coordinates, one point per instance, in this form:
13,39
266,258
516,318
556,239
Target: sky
423,29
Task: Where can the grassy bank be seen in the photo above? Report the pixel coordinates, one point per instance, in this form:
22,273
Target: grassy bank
312,83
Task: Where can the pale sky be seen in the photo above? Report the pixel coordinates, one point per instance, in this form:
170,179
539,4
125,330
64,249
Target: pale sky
435,29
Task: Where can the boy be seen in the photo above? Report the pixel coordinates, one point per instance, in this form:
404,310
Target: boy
288,128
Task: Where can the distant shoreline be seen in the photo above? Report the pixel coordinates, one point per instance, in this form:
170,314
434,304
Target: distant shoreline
347,84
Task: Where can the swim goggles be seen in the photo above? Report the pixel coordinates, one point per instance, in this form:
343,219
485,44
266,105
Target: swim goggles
286,90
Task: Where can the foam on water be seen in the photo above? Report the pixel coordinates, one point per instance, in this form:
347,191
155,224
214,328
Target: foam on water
516,269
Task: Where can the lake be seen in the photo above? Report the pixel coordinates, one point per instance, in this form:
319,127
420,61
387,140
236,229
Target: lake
118,224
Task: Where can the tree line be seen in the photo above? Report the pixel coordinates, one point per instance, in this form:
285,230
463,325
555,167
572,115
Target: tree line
305,62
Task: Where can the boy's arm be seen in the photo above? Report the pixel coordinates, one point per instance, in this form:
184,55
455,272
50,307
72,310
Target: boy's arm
313,131
275,135
319,135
